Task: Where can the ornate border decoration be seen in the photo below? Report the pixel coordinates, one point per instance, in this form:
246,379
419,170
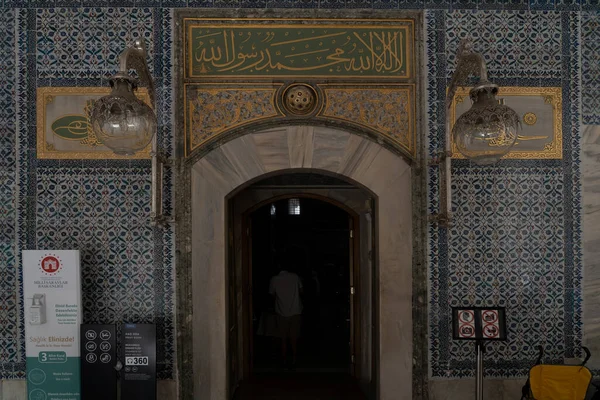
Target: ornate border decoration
211,109
534,142
68,124
387,110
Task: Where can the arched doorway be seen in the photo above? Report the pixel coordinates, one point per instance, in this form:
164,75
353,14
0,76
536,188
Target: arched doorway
321,227
228,169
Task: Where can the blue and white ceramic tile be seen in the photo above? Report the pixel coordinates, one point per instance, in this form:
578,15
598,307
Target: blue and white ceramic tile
86,42
590,63
514,43
9,330
107,217
568,5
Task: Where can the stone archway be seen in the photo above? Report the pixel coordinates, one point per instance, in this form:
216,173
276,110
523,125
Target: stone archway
236,164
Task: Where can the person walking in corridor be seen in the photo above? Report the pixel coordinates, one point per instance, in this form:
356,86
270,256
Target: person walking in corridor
286,288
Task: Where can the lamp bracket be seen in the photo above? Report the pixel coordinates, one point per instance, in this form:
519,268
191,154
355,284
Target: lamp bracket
443,220
439,158
159,162
135,58
162,220
469,63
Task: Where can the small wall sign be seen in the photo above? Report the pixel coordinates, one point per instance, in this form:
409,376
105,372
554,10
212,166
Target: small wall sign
138,352
478,323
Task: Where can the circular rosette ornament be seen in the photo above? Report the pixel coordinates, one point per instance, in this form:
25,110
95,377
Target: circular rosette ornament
300,99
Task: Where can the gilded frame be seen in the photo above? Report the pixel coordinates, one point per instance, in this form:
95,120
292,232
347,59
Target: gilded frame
404,24
46,137
553,149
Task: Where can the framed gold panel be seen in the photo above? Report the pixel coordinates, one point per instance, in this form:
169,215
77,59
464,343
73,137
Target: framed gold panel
540,111
63,126
288,47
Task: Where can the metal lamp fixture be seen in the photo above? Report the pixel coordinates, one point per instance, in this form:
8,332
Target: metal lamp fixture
126,125
483,134
121,121
487,131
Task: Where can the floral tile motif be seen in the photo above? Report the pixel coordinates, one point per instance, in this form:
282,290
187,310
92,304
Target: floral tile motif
82,43
507,246
7,89
514,43
9,329
105,213
568,5
590,63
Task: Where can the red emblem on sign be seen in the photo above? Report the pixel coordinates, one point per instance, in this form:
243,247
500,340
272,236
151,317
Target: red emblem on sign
489,316
489,319
466,324
50,264
491,331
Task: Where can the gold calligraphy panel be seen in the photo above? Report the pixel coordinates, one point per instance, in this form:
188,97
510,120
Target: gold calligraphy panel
321,48
64,130
540,110
386,110
212,109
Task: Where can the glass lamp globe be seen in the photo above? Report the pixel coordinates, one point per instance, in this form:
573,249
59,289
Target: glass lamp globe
487,131
121,121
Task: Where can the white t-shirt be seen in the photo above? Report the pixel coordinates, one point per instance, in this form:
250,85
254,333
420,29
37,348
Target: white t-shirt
286,288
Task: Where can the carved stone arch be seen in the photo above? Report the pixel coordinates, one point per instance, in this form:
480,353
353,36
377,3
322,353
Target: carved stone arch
236,132
205,186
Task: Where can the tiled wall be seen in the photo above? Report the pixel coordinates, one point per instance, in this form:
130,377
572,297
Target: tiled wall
516,236
590,64
101,207
10,332
522,249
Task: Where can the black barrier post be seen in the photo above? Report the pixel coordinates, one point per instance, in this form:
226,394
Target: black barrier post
98,358
480,324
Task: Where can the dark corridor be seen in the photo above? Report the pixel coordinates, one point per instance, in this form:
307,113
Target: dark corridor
311,238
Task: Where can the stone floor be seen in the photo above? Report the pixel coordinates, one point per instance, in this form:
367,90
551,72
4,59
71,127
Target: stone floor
299,386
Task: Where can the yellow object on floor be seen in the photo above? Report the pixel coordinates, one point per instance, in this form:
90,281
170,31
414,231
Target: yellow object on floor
559,382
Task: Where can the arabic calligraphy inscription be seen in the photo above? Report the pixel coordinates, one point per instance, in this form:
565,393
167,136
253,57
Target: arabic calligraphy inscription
540,109
306,50
63,127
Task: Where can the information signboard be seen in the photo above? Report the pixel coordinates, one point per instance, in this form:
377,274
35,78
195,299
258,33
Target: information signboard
478,323
52,300
138,353
98,359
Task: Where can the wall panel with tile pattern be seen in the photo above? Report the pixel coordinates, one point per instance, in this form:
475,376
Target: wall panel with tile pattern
519,222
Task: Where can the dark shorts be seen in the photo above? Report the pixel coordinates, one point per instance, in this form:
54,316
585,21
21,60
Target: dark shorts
289,327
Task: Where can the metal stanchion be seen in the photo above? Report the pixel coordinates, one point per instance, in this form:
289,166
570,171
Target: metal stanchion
479,373
479,324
